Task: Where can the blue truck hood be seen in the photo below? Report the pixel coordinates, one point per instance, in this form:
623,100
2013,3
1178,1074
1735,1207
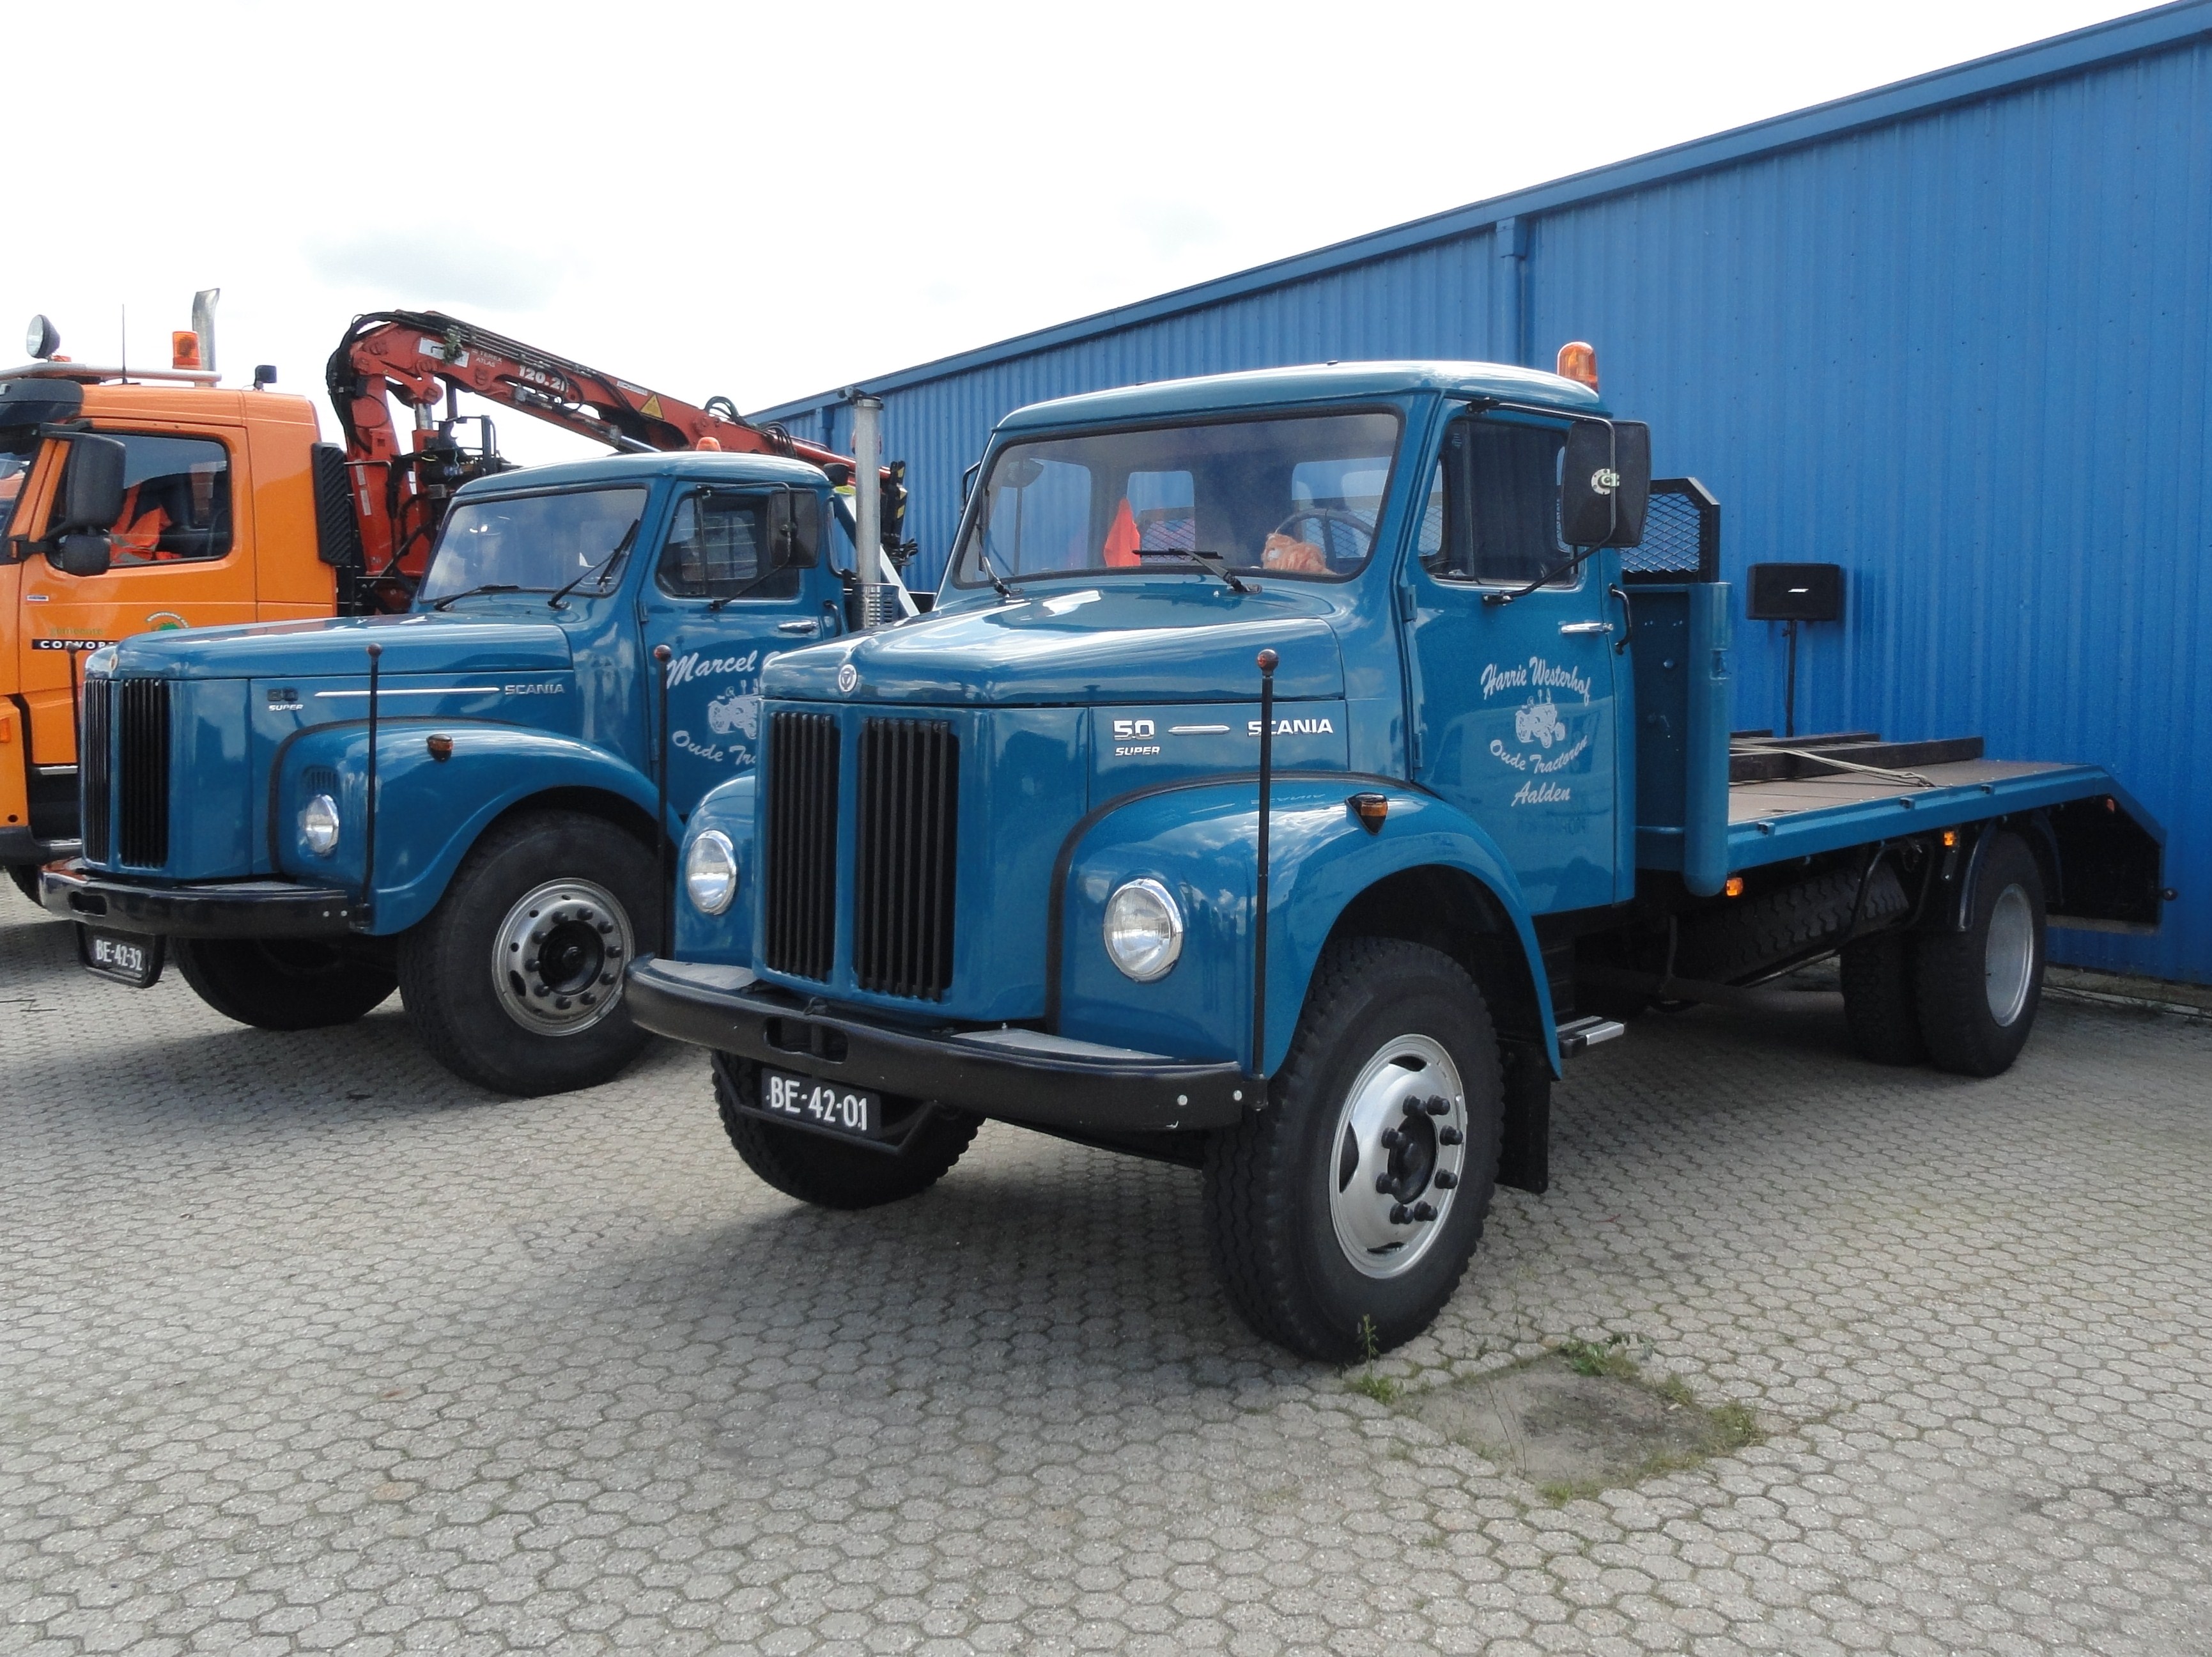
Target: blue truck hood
1184,639
309,650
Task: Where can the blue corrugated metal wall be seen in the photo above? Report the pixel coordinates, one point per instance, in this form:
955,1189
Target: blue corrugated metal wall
1955,336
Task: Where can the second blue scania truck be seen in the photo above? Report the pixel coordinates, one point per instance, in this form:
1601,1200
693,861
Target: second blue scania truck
1296,768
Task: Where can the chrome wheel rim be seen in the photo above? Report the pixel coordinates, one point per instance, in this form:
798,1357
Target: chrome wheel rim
1393,1172
557,959
2009,958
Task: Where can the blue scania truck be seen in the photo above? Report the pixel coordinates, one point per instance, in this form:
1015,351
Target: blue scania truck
1296,768
471,801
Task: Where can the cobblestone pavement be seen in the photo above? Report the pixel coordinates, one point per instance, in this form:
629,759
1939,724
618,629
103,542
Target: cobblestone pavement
307,1347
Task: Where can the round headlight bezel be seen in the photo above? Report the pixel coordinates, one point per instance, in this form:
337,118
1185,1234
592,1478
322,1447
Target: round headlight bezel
321,825
1132,902
712,843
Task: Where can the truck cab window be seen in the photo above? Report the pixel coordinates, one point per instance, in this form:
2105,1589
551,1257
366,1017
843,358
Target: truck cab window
1500,523
715,551
176,500
18,449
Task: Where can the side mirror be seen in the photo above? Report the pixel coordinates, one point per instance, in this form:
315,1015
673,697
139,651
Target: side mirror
968,481
92,490
795,529
81,555
1604,482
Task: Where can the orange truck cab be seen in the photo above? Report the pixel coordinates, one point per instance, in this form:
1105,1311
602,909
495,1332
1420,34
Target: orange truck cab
218,522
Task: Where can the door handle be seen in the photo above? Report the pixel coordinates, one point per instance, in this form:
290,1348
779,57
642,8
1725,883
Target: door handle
1573,629
806,626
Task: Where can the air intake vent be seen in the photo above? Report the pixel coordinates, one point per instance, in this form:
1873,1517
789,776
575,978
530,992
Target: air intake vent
904,859
1681,536
95,761
142,771
802,844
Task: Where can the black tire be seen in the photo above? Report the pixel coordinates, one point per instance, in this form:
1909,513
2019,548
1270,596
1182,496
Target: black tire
1959,973
445,973
1881,1004
817,1169
1747,935
1271,1182
25,877
281,984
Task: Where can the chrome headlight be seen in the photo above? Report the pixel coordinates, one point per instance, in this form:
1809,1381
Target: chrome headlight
1143,930
319,825
710,872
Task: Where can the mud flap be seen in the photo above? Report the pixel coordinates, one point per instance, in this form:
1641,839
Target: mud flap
1524,1146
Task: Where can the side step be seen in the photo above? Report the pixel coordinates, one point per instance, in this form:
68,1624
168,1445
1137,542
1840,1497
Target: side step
1578,1036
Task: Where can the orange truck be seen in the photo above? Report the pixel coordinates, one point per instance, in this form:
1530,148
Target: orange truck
219,524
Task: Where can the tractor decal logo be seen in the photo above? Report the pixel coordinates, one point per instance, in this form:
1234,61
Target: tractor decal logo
734,713
1543,742
163,621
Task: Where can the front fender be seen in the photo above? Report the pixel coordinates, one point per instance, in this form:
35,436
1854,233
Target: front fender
1199,840
430,812
726,939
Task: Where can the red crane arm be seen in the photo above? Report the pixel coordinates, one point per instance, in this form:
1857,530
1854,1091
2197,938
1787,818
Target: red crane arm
421,356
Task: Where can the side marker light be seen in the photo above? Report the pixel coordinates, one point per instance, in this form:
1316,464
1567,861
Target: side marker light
1735,887
1370,809
440,747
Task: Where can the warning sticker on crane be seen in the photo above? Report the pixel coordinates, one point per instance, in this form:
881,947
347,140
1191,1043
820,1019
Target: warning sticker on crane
651,407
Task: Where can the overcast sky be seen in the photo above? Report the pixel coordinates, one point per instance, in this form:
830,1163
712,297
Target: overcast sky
766,202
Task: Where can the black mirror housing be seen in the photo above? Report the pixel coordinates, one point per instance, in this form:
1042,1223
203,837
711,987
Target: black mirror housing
92,494
81,555
1605,483
795,529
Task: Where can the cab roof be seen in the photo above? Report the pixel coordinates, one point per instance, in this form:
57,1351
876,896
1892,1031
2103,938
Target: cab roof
1326,382
703,465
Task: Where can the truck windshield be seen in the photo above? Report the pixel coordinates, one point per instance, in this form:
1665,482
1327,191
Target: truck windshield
1290,496
532,543
18,448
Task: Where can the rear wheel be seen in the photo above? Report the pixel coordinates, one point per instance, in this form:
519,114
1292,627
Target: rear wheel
514,982
1880,1002
828,1173
280,984
1342,1215
1979,990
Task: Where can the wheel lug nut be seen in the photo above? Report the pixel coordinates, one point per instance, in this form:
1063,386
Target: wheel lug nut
1390,1139
1422,1212
561,1004
1399,1214
1446,1180
1450,1137
1412,1107
1438,1108
1382,1182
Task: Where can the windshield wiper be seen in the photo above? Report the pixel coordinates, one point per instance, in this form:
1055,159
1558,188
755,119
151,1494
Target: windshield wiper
1213,562
1006,593
600,568
470,592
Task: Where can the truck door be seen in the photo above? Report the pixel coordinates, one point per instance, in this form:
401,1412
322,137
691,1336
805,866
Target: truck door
733,583
178,559
1514,705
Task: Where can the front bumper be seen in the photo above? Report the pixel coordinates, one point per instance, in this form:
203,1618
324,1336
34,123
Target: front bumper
20,846
212,909
1014,1076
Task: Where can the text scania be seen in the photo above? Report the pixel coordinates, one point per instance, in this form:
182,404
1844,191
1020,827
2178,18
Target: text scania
1294,728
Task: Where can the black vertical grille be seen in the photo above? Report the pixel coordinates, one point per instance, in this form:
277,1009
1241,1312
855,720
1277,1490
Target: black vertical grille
95,763
903,859
802,844
142,771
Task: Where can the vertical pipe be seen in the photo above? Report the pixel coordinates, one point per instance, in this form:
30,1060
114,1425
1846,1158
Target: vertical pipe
1789,685
661,653
1267,661
867,488
369,833
203,324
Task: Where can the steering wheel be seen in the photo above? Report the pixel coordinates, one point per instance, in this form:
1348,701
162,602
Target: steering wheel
1327,514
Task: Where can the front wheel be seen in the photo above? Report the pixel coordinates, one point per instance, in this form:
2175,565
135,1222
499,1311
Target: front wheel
514,982
281,984
1342,1215
25,877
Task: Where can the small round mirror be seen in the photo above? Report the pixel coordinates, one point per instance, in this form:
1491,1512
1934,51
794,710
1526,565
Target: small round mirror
42,339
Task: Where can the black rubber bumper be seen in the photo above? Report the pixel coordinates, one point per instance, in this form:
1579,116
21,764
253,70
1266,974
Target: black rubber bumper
213,908
1013,1075
18,845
